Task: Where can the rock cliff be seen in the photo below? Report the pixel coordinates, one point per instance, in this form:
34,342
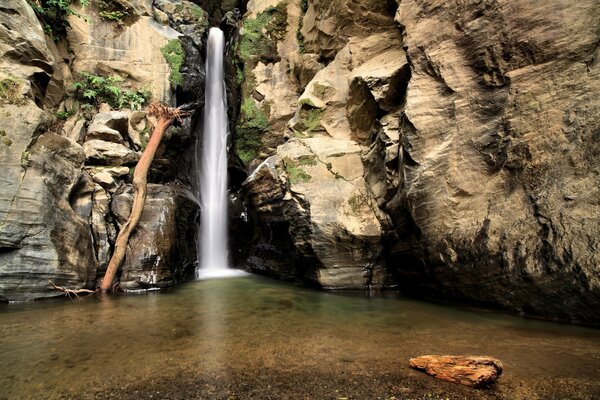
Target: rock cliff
448,148
73,85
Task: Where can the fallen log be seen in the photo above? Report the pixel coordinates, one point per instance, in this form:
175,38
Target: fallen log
472,371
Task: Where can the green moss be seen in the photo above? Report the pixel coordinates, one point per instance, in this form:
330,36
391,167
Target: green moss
311,119
296,174
252,125
10,91
6,141
261,34
24,158
320,90
356,203
174,55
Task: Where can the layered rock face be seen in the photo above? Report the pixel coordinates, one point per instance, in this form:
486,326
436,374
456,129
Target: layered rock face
66,190
466,168
320,206
41,235
500,134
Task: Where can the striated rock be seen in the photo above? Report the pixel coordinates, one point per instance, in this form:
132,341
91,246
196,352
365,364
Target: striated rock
101,152
328,24
103,227
501,167
473,371
159,252
132,52
41,235
102,132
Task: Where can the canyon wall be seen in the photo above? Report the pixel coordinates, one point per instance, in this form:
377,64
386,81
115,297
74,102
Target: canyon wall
449,149
72,127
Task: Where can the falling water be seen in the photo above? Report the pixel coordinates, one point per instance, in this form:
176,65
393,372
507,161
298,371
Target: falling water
212,246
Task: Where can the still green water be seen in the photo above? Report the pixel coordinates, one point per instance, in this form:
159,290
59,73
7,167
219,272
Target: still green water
251,338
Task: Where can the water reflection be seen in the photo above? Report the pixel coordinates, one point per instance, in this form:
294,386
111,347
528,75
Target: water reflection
224,328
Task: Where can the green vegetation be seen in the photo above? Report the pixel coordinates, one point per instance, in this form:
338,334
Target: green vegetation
62,115
299,35
258,43
356,203
112,15
261,34
10,91
53,15
24,159
295,173
311,119
95,89
114,10
252,125
174,55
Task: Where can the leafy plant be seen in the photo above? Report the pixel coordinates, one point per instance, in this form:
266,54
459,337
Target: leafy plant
174,55
53,15
63,115
95,89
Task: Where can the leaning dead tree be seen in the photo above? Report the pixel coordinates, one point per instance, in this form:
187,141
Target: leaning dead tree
165,117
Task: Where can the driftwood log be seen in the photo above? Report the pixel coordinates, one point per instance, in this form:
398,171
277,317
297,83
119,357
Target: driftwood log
473,371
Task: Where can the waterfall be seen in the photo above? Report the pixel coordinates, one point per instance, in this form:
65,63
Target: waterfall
212,184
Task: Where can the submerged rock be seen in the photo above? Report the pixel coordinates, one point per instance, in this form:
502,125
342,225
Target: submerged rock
473,371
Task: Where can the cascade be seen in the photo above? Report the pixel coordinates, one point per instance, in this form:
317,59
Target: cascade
212,160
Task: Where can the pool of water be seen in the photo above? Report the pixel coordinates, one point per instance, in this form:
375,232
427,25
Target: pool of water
252,338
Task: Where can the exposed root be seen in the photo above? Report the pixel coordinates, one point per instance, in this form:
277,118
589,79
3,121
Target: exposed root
73,294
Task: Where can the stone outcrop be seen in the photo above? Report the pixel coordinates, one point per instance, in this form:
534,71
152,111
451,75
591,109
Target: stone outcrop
500,141
159,253
320,204
475,151
63,182
473,371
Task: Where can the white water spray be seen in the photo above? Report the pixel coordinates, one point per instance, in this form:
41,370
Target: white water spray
213,160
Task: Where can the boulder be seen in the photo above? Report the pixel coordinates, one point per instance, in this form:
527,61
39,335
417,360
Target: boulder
42,237
159,254
473,371
100,152
116,120
102,132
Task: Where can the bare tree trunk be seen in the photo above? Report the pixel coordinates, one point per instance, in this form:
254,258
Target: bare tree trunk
165,117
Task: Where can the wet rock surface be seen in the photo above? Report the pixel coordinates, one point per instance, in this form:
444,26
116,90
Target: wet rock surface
473,371
159,253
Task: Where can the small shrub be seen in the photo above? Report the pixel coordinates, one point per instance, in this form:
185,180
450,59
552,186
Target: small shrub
174,55
54,13
95,89
62,115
